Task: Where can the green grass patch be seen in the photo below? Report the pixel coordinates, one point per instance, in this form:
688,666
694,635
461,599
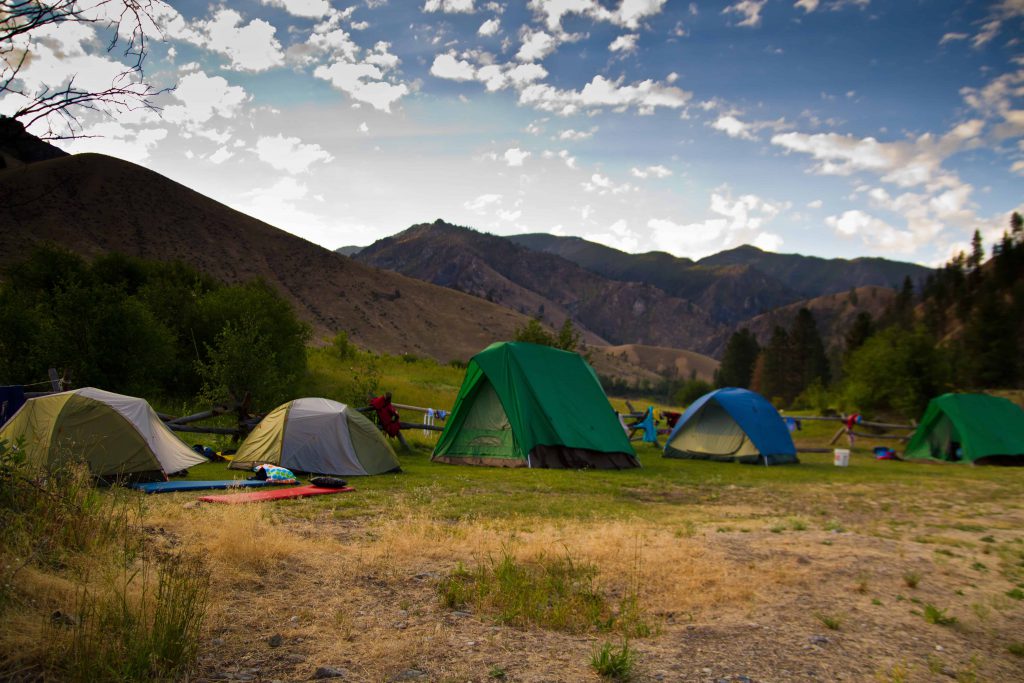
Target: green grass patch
614,663
936,615
547,591
831,621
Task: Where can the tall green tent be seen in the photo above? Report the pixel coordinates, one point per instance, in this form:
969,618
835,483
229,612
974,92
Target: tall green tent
318,436
115,435
969,428
527,405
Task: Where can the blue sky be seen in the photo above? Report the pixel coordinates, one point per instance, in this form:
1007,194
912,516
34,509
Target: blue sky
825,127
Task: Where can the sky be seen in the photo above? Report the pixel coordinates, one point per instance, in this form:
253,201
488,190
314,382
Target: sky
835,128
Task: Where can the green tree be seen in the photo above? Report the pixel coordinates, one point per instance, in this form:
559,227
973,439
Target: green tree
860,331
534,332
808,358
737,366
568,337
775,376
896,370
244,360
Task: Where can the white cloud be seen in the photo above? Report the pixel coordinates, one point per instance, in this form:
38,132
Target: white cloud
251,47
515,156
618,235
482,203
536,46
202,97
1000,14
290,154
750,10
570,134
449,6
118,140
624,43
564,155
312,9
872,231
602,92
221,155
651,172
362,82
1017,167
733,222
807,5
629,15
733,127
603,185
452,68
951,37
815,204
363,128
768,241
490,27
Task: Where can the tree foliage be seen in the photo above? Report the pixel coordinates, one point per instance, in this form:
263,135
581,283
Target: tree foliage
143,327
737,366
567,339
896,370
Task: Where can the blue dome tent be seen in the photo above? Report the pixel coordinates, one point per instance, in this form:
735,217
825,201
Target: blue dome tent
732,425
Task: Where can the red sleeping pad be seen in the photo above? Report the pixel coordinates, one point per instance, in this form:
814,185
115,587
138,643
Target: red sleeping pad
274,494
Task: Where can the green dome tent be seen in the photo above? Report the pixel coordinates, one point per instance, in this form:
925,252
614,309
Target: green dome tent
526,405
969,428
115,435
317,436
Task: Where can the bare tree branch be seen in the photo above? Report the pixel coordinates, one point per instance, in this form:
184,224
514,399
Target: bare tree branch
59,106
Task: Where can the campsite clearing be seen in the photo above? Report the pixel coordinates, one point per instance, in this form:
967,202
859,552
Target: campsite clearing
804,572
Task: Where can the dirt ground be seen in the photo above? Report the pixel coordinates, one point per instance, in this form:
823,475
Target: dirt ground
828,587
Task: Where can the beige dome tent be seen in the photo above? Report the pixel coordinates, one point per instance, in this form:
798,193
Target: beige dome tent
317,436
115,434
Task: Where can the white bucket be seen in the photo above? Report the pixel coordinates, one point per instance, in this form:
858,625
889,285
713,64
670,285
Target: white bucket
842,457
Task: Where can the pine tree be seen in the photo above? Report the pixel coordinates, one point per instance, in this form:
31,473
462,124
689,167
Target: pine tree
860,331
737,365
808,362
775,377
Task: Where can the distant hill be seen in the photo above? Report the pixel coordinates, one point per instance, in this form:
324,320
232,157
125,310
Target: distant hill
732,285
348,251
544,285
94,204
812,276
833,313
728,293
661,362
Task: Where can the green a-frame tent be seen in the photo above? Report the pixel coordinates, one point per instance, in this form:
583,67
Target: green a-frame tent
527,405
975,428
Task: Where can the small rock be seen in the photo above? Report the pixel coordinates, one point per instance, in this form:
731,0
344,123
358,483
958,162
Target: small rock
460,613
800,559
938,648
401,626
191,505
276,640
706,670
294,620
217,642
409,674
293,658
818,640
402,613
328,672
